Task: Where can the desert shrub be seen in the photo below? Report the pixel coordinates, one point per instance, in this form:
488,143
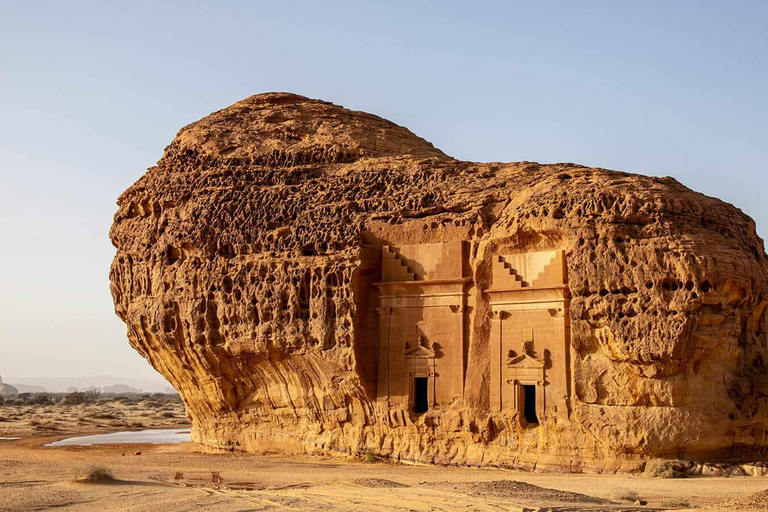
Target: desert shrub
168,398
40,399
92,395
160,399
371,457
97,474
24,398
631,496
75,398
30,399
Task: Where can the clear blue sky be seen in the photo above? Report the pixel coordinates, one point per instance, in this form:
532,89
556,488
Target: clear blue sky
90,95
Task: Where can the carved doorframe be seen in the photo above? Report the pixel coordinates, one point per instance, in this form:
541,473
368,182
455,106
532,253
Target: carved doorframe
420,366
518,399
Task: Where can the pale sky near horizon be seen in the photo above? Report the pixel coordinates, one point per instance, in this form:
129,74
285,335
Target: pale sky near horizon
91,93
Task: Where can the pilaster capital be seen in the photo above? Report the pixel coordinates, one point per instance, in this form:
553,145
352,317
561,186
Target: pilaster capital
498,315
556,312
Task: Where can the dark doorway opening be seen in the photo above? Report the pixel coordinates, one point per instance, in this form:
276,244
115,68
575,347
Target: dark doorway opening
529,405
420,394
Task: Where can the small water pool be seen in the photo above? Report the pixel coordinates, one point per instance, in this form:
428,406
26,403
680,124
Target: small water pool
9,438
152,436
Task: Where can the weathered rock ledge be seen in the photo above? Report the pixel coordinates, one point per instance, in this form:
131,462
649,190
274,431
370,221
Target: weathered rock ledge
294,268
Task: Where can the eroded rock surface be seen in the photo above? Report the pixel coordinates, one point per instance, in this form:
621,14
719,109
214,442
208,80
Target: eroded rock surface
258,262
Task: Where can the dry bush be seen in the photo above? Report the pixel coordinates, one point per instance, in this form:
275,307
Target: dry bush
75,398
626,495
97,475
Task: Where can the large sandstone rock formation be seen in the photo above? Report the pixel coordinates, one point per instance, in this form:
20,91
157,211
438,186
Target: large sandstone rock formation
315,279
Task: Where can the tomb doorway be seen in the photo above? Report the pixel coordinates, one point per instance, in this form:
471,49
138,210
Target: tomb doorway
420,394
529,404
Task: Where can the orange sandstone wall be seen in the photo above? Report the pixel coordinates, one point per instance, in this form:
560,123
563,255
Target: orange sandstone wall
246,267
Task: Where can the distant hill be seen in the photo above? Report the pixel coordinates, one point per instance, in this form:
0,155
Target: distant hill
29,388
97,382
120,388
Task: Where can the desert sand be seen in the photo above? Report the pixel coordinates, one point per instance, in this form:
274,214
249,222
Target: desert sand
178,477
93,417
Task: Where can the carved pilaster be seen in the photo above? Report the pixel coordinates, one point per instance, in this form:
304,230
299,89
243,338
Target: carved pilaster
496,361
385,330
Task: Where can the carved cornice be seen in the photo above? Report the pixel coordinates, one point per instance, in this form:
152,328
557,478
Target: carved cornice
434,282
526,289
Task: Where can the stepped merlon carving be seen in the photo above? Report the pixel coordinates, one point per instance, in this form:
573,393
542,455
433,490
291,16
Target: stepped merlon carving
393,266
536,270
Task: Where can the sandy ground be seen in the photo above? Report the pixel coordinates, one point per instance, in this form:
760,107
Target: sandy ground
99,416
175,477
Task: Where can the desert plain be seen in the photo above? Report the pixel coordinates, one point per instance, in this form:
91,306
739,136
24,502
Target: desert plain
175,477
355,320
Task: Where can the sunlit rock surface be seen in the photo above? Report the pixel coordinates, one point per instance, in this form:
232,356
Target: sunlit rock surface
313,279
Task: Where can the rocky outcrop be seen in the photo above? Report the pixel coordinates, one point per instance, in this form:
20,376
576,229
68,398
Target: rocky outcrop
245,270
7,389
